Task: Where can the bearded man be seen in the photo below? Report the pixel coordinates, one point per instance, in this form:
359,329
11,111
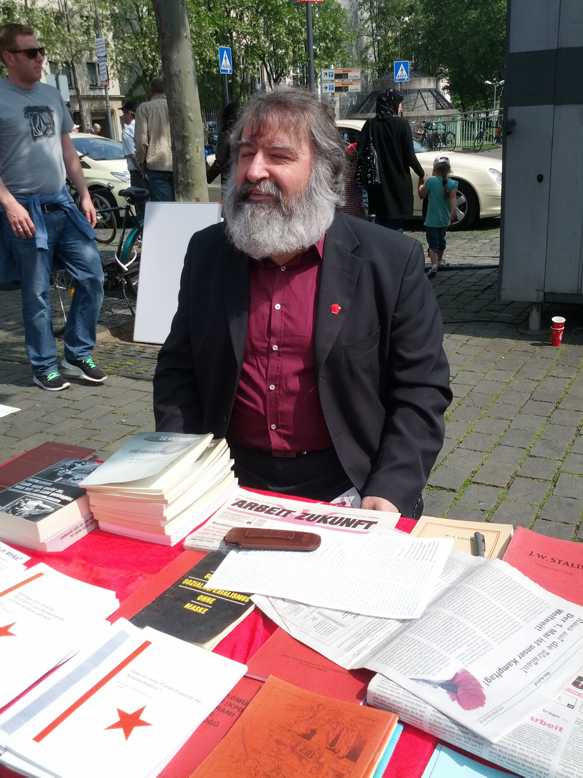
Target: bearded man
310,339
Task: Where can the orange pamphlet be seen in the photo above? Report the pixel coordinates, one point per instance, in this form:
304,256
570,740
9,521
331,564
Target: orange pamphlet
288,659
290,732
555,564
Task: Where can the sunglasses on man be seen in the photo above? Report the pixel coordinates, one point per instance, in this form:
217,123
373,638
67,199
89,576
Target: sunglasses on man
30,53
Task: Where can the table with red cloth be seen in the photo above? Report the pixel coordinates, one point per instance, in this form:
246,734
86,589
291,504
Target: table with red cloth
122,564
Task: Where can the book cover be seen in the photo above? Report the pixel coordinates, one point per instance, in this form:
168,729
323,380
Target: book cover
32,508
496,536
285,657
188,611
290,732
38,458
555,564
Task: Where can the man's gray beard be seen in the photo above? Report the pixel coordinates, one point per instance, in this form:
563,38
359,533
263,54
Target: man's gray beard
280,227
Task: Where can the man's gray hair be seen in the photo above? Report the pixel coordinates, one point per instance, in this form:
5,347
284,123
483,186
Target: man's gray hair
299,112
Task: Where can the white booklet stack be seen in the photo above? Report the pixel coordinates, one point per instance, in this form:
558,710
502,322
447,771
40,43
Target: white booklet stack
122,707
43,617
159,486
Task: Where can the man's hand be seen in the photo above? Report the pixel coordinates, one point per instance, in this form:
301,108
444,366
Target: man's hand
19,219
379,504
88,209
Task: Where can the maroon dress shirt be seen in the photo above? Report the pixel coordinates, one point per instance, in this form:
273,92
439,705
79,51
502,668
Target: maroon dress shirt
277,407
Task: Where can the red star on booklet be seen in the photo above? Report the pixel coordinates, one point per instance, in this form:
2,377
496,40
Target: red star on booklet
127,721
5,631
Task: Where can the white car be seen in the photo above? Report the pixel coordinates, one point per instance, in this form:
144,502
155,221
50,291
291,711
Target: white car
104,167
479,177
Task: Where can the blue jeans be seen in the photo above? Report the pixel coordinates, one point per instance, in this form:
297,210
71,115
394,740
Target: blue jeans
161,186
80,258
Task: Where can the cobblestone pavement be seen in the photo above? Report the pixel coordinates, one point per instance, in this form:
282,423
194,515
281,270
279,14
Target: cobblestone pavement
514,433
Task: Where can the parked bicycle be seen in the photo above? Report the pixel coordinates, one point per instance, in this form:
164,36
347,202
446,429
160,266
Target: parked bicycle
121,267
434,137
481,136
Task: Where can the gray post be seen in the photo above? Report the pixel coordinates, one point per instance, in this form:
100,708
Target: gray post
310,43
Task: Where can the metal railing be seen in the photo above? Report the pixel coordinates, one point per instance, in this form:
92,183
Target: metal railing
472,131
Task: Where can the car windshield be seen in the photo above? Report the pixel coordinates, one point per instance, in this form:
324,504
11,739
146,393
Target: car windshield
99,148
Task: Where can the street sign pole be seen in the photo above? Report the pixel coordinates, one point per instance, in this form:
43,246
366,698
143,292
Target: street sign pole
310,43
226,67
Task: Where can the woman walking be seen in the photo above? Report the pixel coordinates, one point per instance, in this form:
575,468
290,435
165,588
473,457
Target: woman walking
390,200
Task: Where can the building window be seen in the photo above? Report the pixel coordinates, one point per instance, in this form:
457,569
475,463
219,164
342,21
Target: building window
92,75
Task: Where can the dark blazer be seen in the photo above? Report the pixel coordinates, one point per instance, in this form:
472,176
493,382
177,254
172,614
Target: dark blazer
382,374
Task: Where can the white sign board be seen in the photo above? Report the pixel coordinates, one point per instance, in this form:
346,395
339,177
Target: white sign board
168,228
102,73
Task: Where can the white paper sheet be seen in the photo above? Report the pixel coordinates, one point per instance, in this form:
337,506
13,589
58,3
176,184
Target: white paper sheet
122,709
388,574
10,557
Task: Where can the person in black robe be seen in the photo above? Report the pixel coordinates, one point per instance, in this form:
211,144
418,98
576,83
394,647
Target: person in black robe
391,201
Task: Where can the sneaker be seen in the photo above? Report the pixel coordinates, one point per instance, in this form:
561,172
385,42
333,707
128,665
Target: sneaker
85,369
52,382
432,272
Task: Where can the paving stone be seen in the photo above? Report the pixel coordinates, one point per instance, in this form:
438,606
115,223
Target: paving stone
456,469
554,529
515,512
493,474
552,449
528,490
527,421
538,467
481,496
573,464
518,438
565,510
567,418
570,486
479,441
577,447
466,512
456,429
489,425
538,408
437,501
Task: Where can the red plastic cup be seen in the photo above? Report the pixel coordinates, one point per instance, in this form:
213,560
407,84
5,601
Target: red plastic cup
557,330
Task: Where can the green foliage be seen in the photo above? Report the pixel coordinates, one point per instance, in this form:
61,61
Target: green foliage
462,40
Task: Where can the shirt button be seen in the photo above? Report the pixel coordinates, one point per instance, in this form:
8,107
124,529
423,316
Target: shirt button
271,387
275,347
273,426
277,307
282,268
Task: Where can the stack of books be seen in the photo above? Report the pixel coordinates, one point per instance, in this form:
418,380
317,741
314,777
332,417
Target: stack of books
159,486
48,510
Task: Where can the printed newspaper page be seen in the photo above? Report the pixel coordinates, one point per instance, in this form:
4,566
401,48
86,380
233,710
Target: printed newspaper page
10,557
490,651
548,744
350,639
248,509
386,574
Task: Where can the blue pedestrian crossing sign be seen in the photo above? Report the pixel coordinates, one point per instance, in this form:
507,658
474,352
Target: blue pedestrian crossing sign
401,70
225,61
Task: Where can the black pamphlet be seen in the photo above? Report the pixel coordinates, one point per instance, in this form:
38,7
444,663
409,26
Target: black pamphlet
190,612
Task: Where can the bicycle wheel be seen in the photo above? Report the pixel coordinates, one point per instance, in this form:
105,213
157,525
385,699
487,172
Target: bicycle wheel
449,141
106,208
64,290
479,141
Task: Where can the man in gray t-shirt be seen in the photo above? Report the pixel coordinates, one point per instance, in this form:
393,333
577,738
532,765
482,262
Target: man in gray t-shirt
38,219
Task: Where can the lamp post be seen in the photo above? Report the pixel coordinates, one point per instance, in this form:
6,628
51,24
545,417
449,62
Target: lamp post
495,84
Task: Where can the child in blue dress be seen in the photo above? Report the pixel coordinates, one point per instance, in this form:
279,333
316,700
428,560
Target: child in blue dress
440,191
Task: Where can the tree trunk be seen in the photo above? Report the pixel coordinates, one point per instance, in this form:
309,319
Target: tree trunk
183,101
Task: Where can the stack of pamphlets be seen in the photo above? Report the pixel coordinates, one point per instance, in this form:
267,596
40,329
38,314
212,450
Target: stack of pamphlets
159,486
124,706
43,617
48,510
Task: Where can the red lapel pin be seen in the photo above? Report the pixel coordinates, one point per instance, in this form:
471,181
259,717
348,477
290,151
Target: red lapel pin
335,309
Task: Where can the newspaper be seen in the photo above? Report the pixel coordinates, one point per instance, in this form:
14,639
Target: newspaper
548,744
491,650
387,574
351,639
248,509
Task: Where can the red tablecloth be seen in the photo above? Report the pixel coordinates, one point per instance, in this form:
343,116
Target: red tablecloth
120,563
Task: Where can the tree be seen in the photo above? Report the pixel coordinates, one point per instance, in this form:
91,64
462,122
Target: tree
183,102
